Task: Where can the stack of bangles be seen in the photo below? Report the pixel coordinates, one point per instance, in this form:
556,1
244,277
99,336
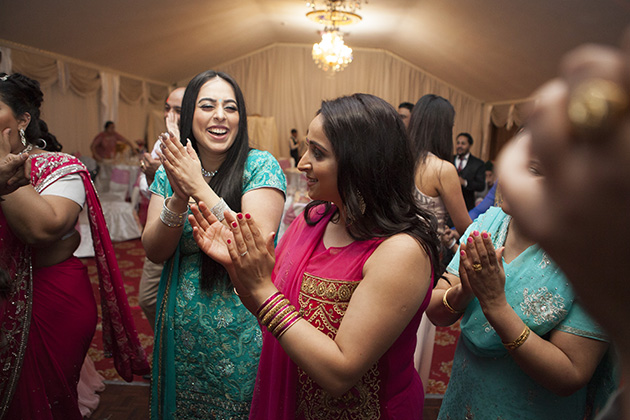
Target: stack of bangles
277,314
170,218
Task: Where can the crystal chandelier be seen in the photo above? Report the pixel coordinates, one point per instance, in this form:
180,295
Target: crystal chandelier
331,54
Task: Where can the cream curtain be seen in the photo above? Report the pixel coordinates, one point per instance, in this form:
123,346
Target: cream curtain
79,98
281,85
510,114
282,81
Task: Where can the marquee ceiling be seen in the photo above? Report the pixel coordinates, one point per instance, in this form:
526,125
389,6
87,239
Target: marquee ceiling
494,50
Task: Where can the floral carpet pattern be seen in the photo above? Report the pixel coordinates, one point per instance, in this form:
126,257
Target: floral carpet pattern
130,256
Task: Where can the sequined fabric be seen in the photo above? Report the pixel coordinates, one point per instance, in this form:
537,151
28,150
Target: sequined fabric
541,295
208,344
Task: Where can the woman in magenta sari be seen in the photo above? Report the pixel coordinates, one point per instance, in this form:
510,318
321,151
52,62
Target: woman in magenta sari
49,317
342,299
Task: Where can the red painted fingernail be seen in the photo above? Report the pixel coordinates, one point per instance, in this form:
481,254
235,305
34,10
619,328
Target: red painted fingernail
470,240
484,235
462,253
234,224
240,215
229,241
475,233
248,216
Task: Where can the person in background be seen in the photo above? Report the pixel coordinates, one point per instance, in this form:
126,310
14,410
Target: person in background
358,263
491,179
404,111
580,131
50,316
104,144
151,272
470,169
294,145
437,190
207,344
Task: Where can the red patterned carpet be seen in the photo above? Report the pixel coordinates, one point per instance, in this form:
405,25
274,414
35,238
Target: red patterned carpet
130,255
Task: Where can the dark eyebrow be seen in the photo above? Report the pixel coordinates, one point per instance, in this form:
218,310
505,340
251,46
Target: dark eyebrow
214,100
319,146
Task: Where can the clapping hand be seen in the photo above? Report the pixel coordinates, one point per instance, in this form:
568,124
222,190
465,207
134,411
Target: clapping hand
210,234
481,270
182,166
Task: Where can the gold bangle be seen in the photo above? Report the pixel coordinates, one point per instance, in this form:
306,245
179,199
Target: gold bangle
449,307
519,340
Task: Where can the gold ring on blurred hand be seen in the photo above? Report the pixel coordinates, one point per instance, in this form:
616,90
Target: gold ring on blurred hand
596,104
477,266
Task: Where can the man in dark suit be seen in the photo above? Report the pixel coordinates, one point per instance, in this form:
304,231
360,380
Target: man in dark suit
471,170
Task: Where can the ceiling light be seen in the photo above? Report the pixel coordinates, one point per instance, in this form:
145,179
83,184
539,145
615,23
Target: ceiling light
331,54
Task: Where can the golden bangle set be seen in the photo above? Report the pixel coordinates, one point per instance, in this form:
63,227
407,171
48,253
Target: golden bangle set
519,340
446,304
277,314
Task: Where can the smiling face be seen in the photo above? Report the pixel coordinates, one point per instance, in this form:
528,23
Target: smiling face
319,164
216,118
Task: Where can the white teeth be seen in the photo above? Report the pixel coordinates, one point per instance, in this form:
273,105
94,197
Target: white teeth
218,131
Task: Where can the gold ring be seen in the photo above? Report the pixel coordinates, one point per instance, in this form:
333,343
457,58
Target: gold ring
477,267
596,104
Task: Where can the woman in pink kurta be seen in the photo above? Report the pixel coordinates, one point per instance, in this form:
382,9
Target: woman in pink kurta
352,276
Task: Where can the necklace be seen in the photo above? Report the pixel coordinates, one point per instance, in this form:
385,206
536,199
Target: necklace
208,173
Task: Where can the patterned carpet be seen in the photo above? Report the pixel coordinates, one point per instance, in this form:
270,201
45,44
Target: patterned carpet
130,255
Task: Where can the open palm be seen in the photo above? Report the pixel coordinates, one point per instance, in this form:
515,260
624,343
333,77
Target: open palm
210,234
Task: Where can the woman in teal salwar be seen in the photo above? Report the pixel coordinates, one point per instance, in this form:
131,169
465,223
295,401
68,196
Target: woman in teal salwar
527,350
207,344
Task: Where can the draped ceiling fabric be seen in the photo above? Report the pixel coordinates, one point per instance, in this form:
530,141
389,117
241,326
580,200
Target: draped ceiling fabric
282,81
78,99
281,84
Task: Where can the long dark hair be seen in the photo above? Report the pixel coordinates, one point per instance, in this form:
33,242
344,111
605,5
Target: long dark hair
23,95
375,172
228,182
431,128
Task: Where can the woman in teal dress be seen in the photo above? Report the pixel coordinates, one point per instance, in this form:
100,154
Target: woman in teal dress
527,349
207,344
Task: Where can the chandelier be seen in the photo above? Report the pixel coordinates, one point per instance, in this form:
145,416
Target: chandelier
331,54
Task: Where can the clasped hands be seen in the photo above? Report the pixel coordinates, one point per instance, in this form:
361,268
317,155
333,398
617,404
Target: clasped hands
481,270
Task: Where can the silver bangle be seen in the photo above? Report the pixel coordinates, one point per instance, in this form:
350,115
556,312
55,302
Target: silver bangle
170,218
219,209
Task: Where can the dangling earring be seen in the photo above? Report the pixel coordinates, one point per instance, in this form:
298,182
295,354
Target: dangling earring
22,137
361,202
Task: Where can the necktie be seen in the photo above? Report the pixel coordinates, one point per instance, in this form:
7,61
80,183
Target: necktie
461,165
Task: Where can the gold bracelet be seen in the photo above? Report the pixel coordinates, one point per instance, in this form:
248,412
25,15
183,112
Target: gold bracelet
449,307
519,340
